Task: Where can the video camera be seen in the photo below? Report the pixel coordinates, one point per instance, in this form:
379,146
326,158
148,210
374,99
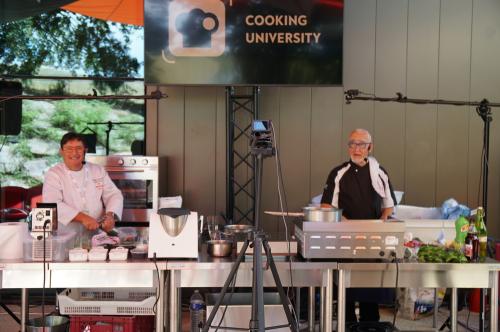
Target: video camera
262,138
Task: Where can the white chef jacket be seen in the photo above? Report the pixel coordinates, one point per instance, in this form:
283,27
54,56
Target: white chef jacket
89,190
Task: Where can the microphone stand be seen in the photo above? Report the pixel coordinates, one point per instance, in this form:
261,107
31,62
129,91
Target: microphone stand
483,109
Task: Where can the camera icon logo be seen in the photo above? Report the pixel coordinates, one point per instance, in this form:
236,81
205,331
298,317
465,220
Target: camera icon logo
196,28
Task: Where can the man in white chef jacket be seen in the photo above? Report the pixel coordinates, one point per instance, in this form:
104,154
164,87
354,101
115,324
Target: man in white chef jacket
83,191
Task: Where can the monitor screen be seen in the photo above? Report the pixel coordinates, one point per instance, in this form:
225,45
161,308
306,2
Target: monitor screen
243,42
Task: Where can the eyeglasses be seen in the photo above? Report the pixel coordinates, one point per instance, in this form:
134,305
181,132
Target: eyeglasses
70,149
361,145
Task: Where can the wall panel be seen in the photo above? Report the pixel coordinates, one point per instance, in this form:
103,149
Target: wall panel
359,64
295,136
326,135
390,77
454,82
199,157
485,80
425,49
422,71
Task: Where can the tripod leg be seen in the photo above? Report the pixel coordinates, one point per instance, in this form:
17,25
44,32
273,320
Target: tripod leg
284,299
257,323
223,292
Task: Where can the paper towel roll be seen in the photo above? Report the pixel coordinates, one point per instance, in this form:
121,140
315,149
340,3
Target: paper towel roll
11,239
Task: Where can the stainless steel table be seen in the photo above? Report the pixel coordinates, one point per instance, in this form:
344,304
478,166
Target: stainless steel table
213,272
25,275
430,275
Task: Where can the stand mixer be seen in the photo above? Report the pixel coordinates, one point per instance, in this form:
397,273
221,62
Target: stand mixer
173,233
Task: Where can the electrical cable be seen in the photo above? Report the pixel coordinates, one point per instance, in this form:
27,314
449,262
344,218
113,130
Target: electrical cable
159,288
396,304
287,237
43,286
233,284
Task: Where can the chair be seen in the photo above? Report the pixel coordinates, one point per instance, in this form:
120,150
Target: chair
13,203
33,197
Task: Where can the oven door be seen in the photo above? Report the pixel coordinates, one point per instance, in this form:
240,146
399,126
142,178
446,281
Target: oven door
139,188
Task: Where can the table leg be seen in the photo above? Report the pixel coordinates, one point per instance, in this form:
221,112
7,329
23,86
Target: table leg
328,301
453,310
322,309
494,301
24,308
311,312
341,301
161,303
435,311
174,294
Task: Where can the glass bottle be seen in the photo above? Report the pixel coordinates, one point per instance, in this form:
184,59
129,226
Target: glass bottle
471,247
482,234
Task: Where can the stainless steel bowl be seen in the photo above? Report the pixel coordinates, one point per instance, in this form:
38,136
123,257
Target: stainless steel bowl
237,229
220,248
313,213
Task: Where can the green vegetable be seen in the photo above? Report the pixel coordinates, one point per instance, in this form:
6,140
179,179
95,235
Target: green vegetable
436,254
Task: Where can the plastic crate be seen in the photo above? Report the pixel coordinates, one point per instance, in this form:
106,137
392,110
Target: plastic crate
111,323
107,301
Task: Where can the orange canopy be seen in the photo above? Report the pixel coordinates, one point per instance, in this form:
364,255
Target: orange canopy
122,11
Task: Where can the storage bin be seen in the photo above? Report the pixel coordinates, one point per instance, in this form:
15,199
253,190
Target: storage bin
107,301
57,247
111,323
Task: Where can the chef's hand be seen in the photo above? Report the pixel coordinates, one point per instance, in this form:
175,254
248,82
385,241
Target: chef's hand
109,221
87,221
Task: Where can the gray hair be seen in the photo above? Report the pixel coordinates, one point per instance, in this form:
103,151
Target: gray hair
362,131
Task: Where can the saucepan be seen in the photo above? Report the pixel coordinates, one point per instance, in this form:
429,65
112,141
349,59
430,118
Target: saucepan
312,213
315,213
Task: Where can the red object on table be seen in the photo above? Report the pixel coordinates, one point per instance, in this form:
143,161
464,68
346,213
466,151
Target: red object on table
111,323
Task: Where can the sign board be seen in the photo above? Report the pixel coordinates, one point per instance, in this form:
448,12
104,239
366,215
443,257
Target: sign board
243,42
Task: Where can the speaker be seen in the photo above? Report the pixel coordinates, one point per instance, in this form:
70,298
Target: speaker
11,109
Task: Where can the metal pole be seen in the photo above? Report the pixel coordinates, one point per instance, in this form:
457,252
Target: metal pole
311,309
329,300
24,308
494,301
174,303
229,156
161,303
453,309
341,299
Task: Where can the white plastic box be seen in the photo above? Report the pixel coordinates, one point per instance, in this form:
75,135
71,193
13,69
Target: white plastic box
56,247
107,301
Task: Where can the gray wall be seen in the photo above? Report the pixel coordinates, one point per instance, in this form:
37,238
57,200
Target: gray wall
448,49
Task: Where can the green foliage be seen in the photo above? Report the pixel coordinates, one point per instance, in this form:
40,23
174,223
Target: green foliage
24,150
73,115
66,40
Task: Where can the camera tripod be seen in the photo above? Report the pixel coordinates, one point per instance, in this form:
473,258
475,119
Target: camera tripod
259,240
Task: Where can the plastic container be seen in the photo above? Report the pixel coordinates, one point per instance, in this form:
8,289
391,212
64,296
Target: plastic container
78,255
197,310
98,254
56,247
107,301
118,254
52,324
111,323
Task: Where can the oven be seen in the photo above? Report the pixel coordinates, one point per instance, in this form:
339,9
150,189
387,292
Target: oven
137,179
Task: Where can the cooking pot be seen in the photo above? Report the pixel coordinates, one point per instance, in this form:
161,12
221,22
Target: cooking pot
220,248
314,213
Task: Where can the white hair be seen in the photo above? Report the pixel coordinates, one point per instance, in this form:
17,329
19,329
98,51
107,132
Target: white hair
362,131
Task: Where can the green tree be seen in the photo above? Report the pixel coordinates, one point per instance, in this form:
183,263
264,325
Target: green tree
67,40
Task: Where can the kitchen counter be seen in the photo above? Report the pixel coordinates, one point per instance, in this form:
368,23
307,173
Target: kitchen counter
212,272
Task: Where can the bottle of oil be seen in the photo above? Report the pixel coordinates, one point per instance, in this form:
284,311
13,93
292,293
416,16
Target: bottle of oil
471,247
482,234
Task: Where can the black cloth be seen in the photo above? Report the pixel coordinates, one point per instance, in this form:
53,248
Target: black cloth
357,198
